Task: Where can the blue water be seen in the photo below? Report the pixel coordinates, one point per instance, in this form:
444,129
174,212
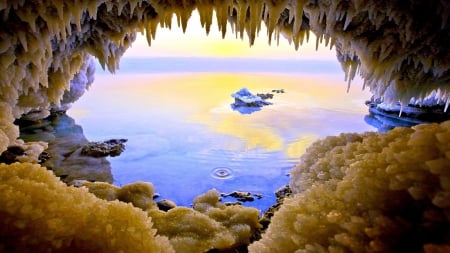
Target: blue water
231,65
184,137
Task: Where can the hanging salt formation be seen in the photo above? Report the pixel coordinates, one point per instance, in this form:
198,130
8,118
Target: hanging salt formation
43,46
400,48
399,53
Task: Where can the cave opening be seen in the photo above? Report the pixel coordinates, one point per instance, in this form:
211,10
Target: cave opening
351,192
172,102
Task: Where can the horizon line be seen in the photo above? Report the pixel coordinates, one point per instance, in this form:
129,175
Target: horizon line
171,64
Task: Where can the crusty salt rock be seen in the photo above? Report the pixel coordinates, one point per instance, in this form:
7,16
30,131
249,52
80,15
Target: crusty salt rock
32,150
191,231
242,221
102,190
384,190
140,194
210,225
400,51
41,214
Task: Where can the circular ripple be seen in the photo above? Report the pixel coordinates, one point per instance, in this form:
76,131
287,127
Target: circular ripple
222,173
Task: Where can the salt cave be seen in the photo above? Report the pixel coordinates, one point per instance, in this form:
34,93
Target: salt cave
353,193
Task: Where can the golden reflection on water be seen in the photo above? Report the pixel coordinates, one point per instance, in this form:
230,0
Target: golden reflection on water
299,147
180,127
205,99
255,137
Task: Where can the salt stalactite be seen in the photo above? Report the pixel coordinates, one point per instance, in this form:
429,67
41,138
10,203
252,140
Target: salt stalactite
398,52
256,10
399,48
43,46
222,9
79,84
296,14
241,9
395,62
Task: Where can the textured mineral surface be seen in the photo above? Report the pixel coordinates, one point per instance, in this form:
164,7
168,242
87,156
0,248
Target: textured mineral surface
352,193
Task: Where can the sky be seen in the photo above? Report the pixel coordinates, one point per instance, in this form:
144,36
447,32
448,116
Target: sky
195,43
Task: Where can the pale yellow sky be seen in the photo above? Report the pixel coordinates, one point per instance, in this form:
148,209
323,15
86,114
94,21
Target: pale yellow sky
195,43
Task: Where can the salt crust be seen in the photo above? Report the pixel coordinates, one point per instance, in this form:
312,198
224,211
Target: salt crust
353,193
400,51
368,193
39,213
208,225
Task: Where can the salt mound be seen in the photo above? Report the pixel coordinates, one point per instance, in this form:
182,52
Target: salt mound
368,193
39,213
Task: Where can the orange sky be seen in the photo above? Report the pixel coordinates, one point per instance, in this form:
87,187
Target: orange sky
195,43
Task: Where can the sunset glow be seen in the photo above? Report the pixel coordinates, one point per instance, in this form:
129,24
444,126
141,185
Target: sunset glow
194,43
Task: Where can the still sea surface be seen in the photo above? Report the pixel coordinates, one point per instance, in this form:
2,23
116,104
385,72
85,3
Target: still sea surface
185,138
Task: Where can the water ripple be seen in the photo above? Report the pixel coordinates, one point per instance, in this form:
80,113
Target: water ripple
222,173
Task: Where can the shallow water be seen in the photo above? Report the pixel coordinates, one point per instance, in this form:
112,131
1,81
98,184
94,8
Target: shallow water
184,137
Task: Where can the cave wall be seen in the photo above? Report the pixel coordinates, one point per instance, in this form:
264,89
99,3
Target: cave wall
400,49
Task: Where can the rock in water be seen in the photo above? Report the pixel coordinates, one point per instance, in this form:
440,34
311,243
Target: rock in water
245,98
165,205
245,102
113,147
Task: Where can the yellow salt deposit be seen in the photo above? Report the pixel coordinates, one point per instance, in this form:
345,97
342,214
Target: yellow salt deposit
358,193
368,193
39,213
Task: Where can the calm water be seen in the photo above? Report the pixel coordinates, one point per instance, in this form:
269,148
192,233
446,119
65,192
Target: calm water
184,137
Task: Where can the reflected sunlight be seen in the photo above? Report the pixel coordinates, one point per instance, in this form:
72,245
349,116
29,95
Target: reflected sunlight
299,146
182,124
205,99
172,101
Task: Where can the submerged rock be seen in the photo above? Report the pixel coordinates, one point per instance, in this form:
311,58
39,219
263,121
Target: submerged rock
113,147
242,196
281,193
63,155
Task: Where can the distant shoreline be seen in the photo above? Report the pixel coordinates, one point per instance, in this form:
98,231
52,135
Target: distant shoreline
234,65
